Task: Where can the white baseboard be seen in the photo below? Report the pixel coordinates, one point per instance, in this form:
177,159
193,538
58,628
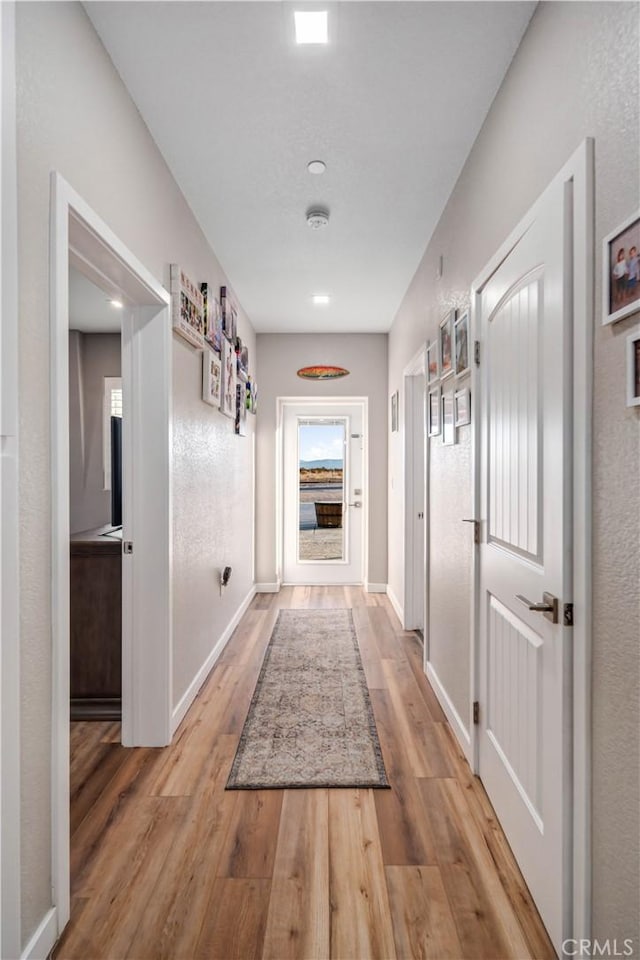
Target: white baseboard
395,603
268,587
44,939
191,693
455,721
375,587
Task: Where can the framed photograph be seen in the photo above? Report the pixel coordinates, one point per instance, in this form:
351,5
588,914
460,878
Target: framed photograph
394,412
212,318
461,345
434,409
228,384
462,407
633,368
445,341
241,409
229,315
252,396
211,377
433,363
242,355
448,420
621,271
187,307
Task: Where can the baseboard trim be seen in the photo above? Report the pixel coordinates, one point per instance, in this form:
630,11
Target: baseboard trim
268,587
44,939
191,693
395,603
462,735
375,587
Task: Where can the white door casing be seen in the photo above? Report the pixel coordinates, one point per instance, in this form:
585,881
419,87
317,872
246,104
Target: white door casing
350,569
525,328
415,456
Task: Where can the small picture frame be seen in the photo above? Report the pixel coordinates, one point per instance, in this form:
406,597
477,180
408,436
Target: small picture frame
462,407
252,396
228,385
211,377
242,355
445,342
621,271
187,307
241,409
394,412
229,315
461,345
433,362
448,420
434,412
633,368
212,318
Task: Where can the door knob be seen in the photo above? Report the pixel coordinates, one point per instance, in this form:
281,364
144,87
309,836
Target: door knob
356,503
549,605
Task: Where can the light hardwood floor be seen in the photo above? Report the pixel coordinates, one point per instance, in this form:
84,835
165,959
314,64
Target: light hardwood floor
167,864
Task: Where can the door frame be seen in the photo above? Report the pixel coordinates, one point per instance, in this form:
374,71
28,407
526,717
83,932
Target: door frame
79,237
414,371
577,176
282,403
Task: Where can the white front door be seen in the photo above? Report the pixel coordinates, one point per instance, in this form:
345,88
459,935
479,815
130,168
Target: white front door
526,553
323,490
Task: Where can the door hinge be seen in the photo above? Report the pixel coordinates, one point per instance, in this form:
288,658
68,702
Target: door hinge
127,546
476,352
567,614
476,712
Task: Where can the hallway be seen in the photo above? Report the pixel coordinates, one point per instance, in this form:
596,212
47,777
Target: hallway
166,864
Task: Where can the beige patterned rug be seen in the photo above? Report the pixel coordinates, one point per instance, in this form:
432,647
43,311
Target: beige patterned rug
310,723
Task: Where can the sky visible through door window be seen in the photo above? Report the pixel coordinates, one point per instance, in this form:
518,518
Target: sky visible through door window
321,475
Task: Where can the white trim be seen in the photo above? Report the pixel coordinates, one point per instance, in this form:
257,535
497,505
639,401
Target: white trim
580,171
44,939
375,587
192,690
79,236
10,854
414,378
395,603
268,587
455,721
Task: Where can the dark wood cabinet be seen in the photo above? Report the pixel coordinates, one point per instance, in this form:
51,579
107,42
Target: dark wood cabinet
96,625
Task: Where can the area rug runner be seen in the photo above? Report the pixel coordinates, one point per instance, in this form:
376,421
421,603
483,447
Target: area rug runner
310,723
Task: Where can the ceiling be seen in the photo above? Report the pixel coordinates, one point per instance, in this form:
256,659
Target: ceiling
89,308
392,105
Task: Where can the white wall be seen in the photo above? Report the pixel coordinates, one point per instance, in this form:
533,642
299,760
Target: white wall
574,75
75,116
280,356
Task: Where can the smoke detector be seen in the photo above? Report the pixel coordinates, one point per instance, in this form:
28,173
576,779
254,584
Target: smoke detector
317,218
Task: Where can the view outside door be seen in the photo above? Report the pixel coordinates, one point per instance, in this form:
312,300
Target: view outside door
321,447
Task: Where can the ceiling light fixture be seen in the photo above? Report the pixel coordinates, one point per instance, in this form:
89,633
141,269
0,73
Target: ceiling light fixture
311,27
116,304
317,218
317,167
321,299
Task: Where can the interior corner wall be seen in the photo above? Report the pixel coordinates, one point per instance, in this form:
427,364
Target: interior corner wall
574,76
76,117
280,356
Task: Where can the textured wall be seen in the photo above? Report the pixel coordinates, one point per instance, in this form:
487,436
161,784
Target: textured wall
75,116
574,75
279,357
92,356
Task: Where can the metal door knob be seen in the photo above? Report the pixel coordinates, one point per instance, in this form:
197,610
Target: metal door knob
549,605
356,503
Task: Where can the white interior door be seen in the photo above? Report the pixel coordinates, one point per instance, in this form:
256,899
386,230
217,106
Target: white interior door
324,495
525,554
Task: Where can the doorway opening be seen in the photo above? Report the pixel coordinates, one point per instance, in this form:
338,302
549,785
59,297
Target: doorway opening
82,241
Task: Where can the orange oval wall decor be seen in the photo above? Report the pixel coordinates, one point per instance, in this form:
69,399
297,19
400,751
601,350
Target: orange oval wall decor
322,373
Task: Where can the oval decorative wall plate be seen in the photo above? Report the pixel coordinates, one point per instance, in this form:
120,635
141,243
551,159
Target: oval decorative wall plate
322,373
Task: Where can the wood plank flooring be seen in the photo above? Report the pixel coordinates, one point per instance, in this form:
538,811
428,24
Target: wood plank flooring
167,865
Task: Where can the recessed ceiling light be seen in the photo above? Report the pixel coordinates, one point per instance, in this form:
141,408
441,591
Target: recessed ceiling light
321,299
116,304
316,166
311,27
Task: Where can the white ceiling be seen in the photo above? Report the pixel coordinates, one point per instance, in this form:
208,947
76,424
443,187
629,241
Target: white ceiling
89,307
392,105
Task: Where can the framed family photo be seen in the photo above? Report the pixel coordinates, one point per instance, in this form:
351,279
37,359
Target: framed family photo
448,419
445,340
187,307
434,424
461,344
433,364
228,384
462,407
621,271
211,377
633,368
